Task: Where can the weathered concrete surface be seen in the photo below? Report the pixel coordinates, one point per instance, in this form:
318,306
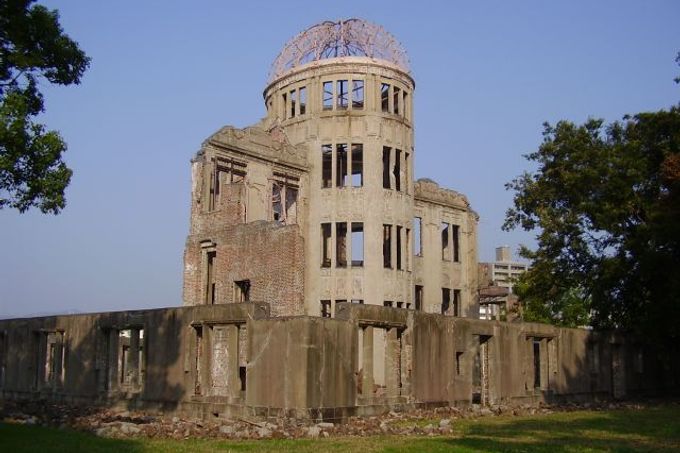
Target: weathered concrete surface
369,359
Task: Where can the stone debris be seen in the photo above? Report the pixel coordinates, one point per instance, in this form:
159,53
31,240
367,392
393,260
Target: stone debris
105,422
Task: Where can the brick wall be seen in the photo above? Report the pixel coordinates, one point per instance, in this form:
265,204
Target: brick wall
270,256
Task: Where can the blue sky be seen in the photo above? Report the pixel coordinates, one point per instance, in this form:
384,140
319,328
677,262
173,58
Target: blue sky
166,74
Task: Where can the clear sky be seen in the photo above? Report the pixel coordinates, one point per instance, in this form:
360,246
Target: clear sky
166,74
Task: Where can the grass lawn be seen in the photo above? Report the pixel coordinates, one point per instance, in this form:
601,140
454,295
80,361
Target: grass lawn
650,429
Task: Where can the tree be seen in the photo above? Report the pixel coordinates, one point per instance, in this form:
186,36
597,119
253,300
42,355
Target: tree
33,47
605,200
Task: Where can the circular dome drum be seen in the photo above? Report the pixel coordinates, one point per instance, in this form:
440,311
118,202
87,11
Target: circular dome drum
344,38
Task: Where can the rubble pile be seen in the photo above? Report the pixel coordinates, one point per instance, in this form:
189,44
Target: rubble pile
121,424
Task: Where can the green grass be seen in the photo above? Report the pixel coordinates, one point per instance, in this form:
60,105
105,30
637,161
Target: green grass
651,429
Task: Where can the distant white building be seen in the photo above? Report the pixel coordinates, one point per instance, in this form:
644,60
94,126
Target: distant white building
498,274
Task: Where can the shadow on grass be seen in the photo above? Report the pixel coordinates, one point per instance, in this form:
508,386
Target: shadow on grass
20,438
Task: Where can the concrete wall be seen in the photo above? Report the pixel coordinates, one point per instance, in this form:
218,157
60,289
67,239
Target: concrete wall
234,359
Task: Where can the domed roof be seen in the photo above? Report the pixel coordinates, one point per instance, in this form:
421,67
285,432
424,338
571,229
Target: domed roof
344,38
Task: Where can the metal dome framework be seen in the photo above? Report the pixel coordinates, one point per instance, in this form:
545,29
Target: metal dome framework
344,38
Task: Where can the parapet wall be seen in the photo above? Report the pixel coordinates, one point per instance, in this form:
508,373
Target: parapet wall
234,359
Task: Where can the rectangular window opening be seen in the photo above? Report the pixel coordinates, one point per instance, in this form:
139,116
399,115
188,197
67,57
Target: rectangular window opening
293,102
242,291
341,244
386,167
357,165
357,244
325,308
405,105
385,97
445,241
341,165
537,363
303,100
455,233
418,297
387,246
326,166
242,377
357,94
388,303
210,277
456,302
399,264
446,300
284,103
342,94
407,172
418,233
325,245
357,301
397,169
396,98
328,95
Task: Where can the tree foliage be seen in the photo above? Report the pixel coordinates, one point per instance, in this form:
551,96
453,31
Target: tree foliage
605,200
33,48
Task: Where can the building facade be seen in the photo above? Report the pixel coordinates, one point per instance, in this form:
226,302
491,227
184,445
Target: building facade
316,204
321,281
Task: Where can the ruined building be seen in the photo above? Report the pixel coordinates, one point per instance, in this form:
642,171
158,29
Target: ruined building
320,280
316,204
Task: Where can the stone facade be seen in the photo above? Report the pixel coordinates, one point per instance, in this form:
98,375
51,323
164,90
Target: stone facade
320,280
237,360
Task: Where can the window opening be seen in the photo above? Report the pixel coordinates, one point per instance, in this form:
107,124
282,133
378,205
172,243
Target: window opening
386,167
445,241
397,169
226,172
456,302
326,166
293,102
395,102
357,244
341,165
408,249
326,245
284,102
405,106
455,233
210,277
387,303
446,300
242,291
242,377
399,266
357,301
341,244
357,165
284,199
407,173
387,246
326,308
385,97
357,94
342,94
537,364
417,231
328,95
198,360
303,100
419,297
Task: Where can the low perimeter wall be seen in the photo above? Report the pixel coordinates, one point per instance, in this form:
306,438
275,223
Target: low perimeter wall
236,360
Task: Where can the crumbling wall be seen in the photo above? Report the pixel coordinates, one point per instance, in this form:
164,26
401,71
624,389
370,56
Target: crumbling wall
235,359
270,257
